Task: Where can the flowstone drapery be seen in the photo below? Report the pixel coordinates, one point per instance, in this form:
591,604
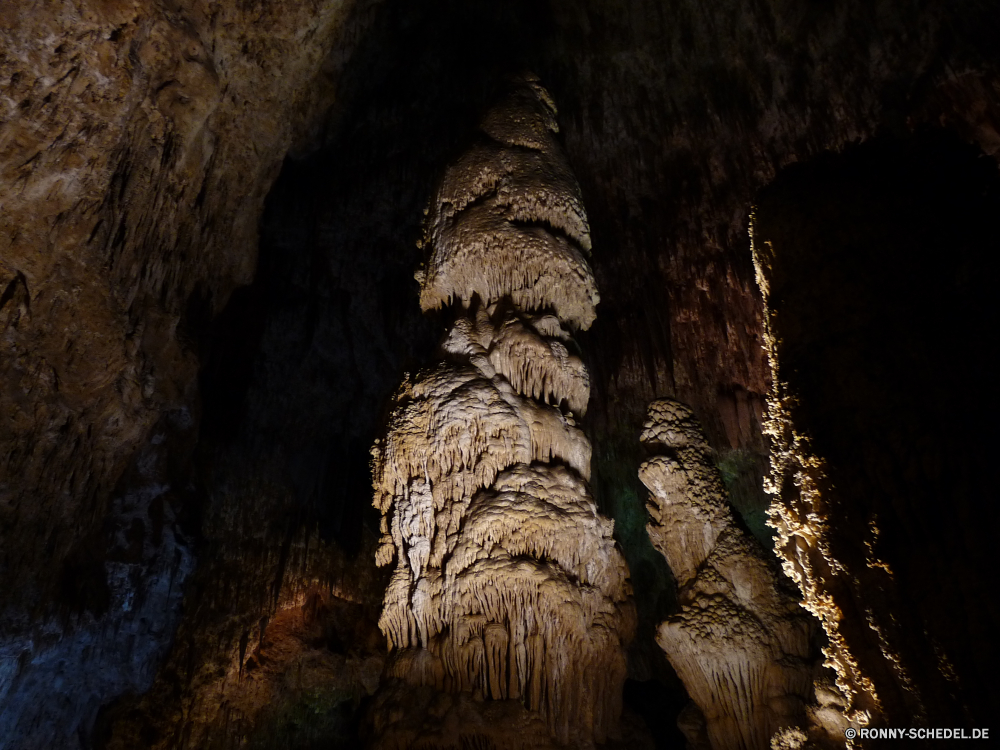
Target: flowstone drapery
507,584
740,643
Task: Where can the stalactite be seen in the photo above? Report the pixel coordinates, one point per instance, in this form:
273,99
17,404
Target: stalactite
740,642
507,583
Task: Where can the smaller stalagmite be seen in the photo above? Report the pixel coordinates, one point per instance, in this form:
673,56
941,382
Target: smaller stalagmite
740,643
508,608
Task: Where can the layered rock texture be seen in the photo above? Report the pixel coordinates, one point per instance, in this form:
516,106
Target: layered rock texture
138,141
874,267
182,463
507,583
740,642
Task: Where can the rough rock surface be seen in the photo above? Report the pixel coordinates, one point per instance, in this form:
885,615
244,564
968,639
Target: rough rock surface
671,134
138,141
740,643
507,585
121,617
672,115
874,267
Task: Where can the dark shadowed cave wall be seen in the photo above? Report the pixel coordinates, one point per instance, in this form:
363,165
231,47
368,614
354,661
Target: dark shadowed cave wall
879,264
184,503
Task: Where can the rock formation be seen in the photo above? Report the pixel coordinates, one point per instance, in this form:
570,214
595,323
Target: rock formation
138,142
740,643
507,584
865,263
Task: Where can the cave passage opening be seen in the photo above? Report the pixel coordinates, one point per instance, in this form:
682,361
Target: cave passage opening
878,267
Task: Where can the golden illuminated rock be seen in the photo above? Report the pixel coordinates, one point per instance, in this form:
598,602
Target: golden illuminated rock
508,221
507,583
740,643
800,516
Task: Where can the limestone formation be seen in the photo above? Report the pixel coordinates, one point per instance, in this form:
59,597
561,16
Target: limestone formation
740,643
508,221
507,584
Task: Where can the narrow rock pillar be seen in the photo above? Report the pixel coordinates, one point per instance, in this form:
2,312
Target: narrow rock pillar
740,643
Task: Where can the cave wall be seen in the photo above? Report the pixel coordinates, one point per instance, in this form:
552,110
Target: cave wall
674,115
878,265
138,142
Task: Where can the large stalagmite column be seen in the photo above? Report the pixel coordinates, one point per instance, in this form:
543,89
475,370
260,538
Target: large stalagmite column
740,643
507,583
